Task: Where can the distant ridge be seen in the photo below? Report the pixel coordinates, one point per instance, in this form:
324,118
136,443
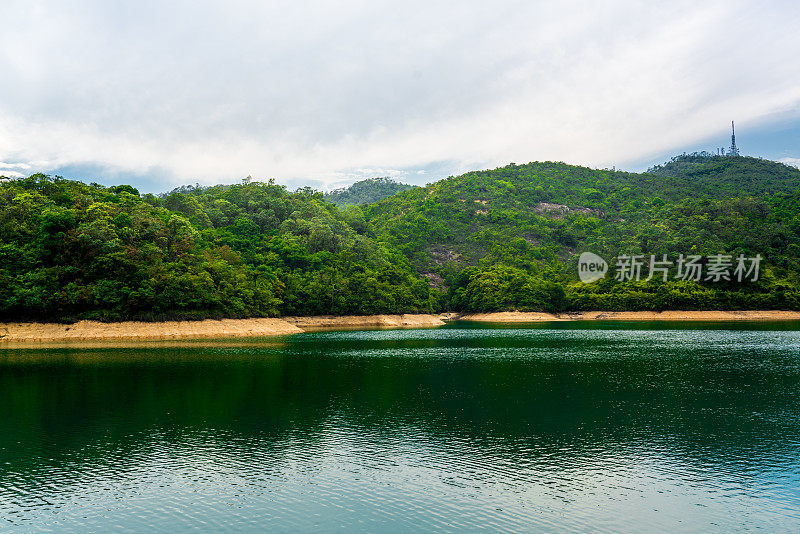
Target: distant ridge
366,191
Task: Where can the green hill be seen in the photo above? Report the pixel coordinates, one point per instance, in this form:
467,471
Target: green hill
366,192
537,218
70,250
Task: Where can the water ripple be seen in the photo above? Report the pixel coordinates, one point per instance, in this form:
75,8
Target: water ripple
545,429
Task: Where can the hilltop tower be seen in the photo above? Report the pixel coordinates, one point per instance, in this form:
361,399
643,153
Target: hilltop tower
733,150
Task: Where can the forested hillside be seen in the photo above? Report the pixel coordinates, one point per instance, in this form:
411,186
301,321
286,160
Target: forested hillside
365,192
507,238
485,234
70,250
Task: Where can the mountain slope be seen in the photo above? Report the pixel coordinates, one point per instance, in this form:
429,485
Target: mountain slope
554,207
538,217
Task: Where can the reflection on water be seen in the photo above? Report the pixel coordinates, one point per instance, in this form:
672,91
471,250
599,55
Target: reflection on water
566,427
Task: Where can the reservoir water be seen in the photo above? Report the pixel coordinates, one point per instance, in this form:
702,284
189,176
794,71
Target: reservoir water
617,427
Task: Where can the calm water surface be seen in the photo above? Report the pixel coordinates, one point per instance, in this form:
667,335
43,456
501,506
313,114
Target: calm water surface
562,427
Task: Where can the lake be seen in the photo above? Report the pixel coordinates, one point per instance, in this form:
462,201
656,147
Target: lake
550,427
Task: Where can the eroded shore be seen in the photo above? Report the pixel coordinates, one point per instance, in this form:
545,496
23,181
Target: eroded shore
670,315
142,331
83,331
407,320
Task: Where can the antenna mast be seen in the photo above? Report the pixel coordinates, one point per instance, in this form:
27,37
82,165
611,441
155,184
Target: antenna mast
733,151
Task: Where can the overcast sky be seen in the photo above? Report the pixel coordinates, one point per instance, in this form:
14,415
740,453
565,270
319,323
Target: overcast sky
160,94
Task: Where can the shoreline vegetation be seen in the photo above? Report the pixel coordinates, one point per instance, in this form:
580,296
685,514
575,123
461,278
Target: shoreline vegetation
503,239
12,334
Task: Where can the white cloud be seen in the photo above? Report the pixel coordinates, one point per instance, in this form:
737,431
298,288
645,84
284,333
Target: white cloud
795,162
206,91
14,170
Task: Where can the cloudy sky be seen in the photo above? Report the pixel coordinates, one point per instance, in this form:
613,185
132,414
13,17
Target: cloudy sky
160,94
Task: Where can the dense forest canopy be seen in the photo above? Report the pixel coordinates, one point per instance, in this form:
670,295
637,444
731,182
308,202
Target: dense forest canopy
70,250
507,238
366,191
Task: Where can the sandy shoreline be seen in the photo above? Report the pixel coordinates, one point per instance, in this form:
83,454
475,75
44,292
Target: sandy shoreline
83,331
670,315
407,320
141,331
90,331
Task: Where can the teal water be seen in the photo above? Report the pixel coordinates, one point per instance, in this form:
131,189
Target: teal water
559,427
